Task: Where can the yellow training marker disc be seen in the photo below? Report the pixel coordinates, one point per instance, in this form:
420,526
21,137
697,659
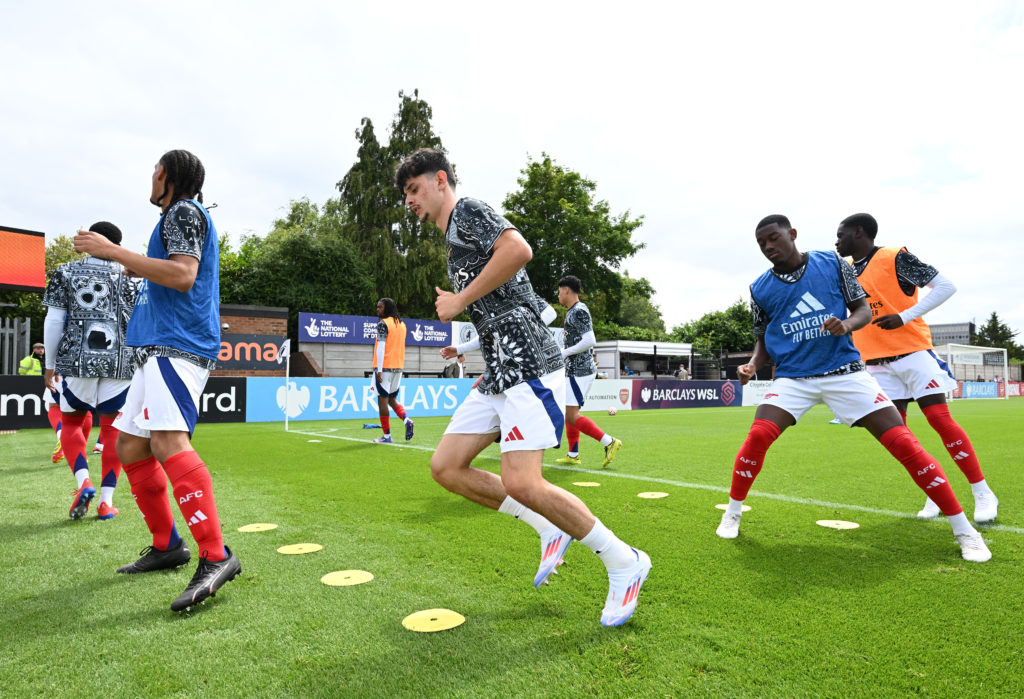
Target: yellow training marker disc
743,508
344,578
430,620
652,495
292,549
258,527
587,484
836,524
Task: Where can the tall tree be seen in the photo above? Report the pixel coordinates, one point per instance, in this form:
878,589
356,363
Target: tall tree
730,330
405,259
571,233
996,333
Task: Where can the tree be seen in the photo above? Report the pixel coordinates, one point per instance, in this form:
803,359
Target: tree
995,333
636,309
730,330
303,263
29,304
571,233
406,259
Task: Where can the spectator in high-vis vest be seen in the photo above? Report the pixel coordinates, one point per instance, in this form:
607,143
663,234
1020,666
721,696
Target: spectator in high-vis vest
388,359
32,364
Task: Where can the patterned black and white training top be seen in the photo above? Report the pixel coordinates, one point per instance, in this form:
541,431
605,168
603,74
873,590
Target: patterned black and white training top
577,324
911,273
514,341
98,301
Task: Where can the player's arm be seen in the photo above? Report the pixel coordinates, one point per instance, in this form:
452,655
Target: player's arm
178,272
854,296
53,330
759,357
378,355
586,342
913,272
510,254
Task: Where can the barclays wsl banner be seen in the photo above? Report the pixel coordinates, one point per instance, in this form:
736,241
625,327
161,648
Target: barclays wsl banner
267,398
649,394
362,330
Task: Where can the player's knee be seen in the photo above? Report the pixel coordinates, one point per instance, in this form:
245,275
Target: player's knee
131,448
521,490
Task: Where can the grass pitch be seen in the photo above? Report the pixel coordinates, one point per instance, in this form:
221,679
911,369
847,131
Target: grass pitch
788,609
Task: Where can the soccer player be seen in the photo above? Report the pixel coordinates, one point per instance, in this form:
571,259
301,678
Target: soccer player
520,397
797,306
177,323
897,345
89,303
580,370
388,360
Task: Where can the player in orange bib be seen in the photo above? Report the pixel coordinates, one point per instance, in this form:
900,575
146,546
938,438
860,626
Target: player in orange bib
897,345
388,360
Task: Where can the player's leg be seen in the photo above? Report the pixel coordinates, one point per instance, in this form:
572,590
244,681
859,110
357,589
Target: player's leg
112,393
173,393
572,437
77,398
147,481
397,407
784,403
883,421
576,394
959,446
53,414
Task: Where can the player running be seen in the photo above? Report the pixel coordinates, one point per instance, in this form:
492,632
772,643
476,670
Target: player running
580,370
897,345
388,360
520,398
797,306
177,323
90,302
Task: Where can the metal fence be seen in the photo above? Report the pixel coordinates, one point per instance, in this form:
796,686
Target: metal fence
14,343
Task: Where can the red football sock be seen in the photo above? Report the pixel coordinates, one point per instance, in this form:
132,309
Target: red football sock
922,467
193,489
589,428
72,441
385,423
87,426
110,464
149,487
572,435
957,443
750,458
399,411
53,414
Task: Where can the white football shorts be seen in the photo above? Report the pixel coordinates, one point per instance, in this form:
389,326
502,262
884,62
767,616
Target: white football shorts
914,376
105,396
163,396
578,388
527,417
849,396
389,382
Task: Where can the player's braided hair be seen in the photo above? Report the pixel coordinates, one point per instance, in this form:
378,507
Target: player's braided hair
185,171
107,230
390,309
865,222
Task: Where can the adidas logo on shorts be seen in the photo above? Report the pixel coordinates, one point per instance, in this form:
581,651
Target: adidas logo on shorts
514,435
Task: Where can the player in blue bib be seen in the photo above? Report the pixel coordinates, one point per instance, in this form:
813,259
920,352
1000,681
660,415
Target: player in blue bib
176,323
804,309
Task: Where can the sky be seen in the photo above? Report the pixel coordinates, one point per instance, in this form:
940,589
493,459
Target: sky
701,117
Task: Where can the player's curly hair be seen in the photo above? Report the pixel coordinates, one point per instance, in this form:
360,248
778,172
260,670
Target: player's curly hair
108,230
186,172
865,222
425,161
777,219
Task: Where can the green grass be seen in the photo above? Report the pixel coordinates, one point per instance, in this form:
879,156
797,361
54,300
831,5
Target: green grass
788,609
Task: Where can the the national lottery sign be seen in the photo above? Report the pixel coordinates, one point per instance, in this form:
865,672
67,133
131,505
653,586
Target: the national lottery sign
362,330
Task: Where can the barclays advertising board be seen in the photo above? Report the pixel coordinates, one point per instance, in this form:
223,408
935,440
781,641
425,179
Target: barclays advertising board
362,330
267,399
649,394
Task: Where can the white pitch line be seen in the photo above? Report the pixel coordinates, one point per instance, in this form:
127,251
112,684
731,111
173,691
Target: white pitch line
694,486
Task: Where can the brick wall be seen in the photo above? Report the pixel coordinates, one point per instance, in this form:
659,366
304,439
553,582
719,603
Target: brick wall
252,320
